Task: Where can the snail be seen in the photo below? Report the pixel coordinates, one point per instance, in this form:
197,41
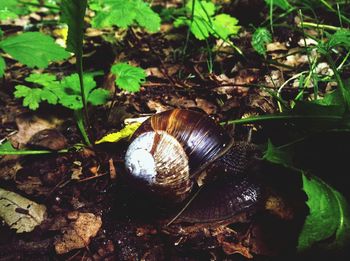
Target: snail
173,150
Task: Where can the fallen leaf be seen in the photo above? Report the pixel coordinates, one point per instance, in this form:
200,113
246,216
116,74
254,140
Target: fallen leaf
50,139
78,233
9,165
126,132
28,125
20,213
32,185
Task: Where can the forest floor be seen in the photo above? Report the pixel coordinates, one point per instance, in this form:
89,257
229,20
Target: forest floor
71,201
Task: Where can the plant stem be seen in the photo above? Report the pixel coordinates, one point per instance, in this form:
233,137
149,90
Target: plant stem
339,80
320,26
282,118
31,152
79,116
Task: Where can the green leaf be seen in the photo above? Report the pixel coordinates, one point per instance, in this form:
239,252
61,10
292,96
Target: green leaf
12,6
71,84
199,27
225,25
44,79
2,66
33,49
328,223
6,147
260,38
204,24
7,14
73,12
278,155
49,90
283,4
72,102
146,17
203,9
98,97
115,12
124,13
49,96
71,97
339,38
32,96
129,77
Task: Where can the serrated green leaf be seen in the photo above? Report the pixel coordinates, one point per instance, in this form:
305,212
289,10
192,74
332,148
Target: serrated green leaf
49,96
204,9
44,79
32,96
72,102
124,13
71,97
73,12
200,28
115,12
33,49
126,132
260,38
2,66
146,17
71,84
98,97
328,223
129,77
204,24
225,25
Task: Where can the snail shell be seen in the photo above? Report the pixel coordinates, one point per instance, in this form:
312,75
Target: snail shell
171,147
171,151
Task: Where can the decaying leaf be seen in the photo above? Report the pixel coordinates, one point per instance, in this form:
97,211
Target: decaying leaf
32,185
20,213
30,124
78,234
9,165
122,134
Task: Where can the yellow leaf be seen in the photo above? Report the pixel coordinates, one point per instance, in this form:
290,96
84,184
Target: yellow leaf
126,132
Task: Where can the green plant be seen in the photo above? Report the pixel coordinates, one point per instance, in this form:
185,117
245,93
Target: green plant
203,22
10,9
33,49
46,88
124,13
128,77
260,38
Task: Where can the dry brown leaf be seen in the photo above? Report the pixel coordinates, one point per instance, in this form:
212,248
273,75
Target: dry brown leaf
78,233
28,125
9,165
32,185
206,106
19,212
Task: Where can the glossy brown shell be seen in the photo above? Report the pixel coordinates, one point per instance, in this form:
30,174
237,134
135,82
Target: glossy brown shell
201,137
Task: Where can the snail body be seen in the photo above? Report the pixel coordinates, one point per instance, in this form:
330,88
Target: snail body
171,150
